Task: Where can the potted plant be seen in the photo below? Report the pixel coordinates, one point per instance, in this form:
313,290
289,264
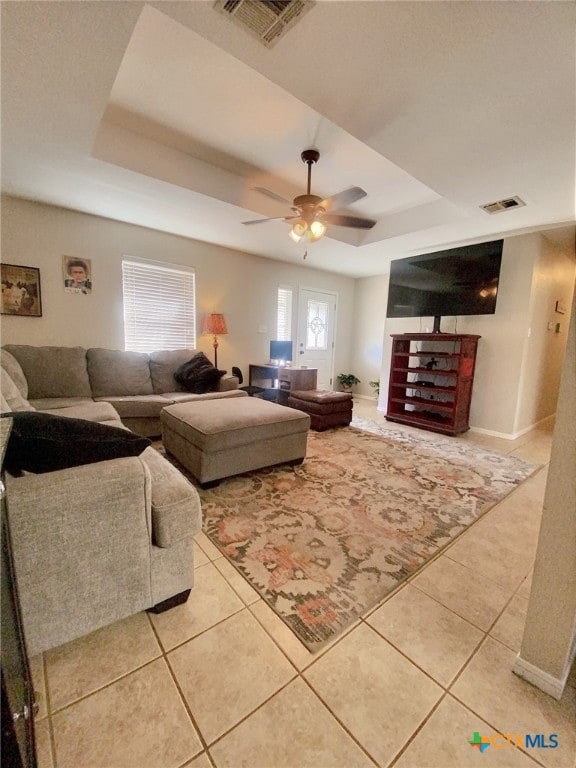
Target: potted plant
376,387
347,381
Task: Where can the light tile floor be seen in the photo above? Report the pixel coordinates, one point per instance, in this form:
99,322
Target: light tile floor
222,682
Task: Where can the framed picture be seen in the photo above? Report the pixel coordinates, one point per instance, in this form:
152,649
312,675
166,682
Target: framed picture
20,291
77,275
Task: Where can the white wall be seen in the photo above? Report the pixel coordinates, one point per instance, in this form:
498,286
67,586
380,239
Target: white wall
549,641
512,367
552,280
241,286
504,336
370,300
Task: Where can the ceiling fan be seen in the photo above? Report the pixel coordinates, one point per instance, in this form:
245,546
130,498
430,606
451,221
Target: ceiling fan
311,213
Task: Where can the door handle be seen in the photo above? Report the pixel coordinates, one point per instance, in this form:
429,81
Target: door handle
24,714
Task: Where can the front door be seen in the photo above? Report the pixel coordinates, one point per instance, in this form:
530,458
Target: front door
316,319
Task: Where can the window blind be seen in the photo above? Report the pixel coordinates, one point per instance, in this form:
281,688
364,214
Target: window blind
159,306
284,314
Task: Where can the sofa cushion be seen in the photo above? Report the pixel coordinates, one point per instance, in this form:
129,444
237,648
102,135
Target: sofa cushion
14,370
142,406
41,442
53,371
198,375
116,372
54,403
189,397
12,399
90,411
163,364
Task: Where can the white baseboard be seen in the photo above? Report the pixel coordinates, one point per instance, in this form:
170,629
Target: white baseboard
512,435
494,433
550,685
479,430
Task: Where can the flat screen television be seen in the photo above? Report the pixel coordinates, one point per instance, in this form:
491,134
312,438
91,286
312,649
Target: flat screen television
458,281
280,352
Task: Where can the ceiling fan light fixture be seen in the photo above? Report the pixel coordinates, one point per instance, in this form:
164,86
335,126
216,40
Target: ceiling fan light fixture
299,227
317,229
294,236
312,232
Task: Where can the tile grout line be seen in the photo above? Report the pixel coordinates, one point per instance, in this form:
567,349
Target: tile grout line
123,676
297,676
429,675
191,717
465,618
340,723
203,631
486,638
251,713
180,693
490,725
51,736
401,751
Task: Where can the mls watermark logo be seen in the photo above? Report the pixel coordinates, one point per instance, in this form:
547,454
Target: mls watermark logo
513,741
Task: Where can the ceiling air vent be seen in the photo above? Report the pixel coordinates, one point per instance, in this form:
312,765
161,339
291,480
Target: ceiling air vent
503,205
267,20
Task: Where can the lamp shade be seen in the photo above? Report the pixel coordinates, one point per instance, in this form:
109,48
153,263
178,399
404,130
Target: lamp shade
215,323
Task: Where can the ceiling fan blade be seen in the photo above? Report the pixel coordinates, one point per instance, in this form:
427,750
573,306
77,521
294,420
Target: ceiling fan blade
343,199
259,221
273,195
348,221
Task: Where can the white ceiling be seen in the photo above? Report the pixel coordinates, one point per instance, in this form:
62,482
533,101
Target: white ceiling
168,115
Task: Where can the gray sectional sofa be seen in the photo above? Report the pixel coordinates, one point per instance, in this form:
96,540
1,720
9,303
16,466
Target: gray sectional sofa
95,543
137,384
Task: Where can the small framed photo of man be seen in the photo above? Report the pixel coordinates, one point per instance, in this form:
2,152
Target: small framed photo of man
77,275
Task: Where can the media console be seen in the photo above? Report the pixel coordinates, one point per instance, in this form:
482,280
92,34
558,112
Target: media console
431,378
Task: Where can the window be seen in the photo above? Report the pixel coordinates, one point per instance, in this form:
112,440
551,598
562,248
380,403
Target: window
159,306
284,314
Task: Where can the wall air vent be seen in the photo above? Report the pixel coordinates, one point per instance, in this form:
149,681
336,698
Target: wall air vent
503,205
267,20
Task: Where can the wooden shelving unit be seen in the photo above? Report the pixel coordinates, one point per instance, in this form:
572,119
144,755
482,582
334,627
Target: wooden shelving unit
431,378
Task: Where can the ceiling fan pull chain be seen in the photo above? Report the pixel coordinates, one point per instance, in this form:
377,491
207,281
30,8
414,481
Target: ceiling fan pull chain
305,254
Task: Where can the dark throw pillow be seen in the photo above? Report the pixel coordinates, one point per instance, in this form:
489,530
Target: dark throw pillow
41,442
198,375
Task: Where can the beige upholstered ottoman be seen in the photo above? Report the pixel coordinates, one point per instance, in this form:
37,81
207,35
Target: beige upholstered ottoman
219,438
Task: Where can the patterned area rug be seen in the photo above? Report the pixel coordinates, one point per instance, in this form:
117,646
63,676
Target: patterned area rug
325,541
